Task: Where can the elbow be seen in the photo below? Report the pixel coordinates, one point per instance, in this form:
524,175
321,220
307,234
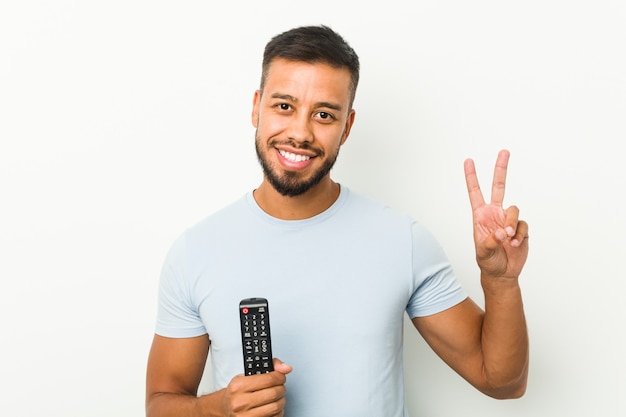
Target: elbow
151,404
512,388
507,393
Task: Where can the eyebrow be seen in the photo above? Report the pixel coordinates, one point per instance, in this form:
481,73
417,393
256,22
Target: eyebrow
293,99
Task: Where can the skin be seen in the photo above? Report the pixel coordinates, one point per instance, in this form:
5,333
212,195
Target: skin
305,110
488,348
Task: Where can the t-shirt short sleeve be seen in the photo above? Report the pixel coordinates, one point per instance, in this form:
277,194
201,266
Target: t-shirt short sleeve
177,316
436,286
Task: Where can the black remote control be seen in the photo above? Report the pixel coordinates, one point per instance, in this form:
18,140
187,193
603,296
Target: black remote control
255,336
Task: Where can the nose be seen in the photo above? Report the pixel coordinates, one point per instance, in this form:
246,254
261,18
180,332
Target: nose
299,128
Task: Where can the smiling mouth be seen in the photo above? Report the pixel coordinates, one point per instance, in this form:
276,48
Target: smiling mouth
293,157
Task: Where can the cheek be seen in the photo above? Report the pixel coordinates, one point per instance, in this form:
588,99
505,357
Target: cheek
331,137
270,125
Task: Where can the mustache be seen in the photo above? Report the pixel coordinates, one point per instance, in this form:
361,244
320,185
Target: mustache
297,145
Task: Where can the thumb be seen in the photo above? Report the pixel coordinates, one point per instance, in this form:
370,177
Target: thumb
281,366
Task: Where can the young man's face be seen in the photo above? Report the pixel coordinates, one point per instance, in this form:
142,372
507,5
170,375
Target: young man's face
302,118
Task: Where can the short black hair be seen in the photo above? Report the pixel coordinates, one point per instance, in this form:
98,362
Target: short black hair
313,44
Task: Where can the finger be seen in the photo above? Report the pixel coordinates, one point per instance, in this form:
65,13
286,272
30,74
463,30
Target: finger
273,409
281,366
256,382
510,221
270,395
490,243
473,188
499,178
521,234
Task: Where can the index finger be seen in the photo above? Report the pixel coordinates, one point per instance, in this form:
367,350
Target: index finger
499,178
473,188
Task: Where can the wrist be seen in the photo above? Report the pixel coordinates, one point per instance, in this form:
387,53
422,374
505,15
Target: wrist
499,285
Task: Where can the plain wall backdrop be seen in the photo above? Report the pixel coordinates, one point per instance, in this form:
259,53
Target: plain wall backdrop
124,122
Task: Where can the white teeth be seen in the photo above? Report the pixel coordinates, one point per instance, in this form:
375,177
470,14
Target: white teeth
294,157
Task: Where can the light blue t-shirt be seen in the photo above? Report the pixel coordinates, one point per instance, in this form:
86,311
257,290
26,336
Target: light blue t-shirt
338,286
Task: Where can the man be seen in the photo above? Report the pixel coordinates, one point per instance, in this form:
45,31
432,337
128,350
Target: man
339,270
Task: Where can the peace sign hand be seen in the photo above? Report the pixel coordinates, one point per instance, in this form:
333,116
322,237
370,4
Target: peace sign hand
500,238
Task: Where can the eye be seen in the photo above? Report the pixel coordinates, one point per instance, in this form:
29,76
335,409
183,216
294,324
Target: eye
284,106
325,117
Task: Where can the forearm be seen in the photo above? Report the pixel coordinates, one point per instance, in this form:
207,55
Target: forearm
504,337
183,405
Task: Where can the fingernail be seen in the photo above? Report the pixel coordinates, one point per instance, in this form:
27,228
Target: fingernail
510,231
500,234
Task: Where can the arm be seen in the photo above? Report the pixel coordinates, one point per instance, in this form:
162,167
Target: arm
488,348
175,368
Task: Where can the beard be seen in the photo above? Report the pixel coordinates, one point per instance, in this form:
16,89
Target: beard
293,183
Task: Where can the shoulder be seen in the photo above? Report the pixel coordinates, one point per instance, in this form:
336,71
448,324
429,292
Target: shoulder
367,208
219,221
210,230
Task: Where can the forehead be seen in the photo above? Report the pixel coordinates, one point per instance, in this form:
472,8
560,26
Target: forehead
305,80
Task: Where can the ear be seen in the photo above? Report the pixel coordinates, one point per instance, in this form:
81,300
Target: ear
349,123
256,104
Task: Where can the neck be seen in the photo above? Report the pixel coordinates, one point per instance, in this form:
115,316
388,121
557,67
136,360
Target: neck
304,206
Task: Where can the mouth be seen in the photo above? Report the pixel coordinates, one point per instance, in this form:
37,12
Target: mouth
293,157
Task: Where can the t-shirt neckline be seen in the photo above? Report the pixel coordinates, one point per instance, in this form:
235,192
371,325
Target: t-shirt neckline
324,215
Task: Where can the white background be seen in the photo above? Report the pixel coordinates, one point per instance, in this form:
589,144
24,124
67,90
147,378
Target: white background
124,122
